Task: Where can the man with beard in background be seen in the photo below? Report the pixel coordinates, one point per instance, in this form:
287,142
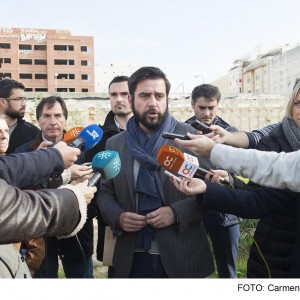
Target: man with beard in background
115,122
12,105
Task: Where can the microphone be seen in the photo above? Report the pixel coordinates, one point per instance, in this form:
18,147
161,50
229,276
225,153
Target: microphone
106,164
71,134
186,165
87,138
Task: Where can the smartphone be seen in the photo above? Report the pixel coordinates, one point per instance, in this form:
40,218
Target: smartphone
169,174
201,127
172,136
202,172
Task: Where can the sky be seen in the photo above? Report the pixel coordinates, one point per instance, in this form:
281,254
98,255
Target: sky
192,41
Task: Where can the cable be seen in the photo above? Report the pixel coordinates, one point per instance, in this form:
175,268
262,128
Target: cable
245,180
261,254
8,267
83,256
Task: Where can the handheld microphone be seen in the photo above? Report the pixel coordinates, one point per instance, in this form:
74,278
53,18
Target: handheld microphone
71,134
87,138
106,164
186,165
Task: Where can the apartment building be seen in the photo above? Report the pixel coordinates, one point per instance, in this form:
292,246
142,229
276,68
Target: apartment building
47,60
105,73
283,71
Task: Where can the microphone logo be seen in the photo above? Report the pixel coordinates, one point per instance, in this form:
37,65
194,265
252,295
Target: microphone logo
74,132
117,164
189,166
187,169
169,162
93,134
107,155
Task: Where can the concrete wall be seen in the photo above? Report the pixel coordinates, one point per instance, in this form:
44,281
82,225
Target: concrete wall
247,112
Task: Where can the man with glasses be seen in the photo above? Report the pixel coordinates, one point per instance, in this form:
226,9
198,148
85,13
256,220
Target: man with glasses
12,105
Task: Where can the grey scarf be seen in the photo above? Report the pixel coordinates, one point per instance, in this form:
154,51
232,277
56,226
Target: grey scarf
291,132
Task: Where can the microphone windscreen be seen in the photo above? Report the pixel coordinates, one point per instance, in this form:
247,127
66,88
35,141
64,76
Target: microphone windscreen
71,134
108,163
170,158
91,135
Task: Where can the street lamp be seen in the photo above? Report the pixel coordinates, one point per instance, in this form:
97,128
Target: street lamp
55,81
199,75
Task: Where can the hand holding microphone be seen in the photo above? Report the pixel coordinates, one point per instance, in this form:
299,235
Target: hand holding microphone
69,154
87,191
80,173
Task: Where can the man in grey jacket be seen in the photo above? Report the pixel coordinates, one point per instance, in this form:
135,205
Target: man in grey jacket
159,232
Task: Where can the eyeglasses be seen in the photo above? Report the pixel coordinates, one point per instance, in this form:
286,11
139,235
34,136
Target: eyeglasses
19,99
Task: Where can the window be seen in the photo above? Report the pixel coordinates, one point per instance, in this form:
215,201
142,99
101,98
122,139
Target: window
84,48
64,47
40,61
5,75
84,90
25,76
40,47
60,62
40,76
4,45
63,62
25,61
5,61
84,77
41,89
25,47
62,90
65,76
28,89
84,63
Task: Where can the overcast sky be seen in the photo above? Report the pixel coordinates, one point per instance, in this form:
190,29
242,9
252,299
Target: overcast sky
184,38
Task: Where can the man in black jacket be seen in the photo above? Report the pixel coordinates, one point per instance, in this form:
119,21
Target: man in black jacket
223,229
12,105
114,123
52,115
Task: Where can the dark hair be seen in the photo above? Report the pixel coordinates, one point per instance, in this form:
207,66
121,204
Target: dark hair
6,85
147,73
50,102
296,82
207,91
118,79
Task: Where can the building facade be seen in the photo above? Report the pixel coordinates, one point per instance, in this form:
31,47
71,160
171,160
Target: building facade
105,73
47,60
283,70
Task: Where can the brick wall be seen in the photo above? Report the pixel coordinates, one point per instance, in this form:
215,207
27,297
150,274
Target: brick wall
245,112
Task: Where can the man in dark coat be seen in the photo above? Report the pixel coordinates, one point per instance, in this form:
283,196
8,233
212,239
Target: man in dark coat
115,122
12,105
223,229
77,259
